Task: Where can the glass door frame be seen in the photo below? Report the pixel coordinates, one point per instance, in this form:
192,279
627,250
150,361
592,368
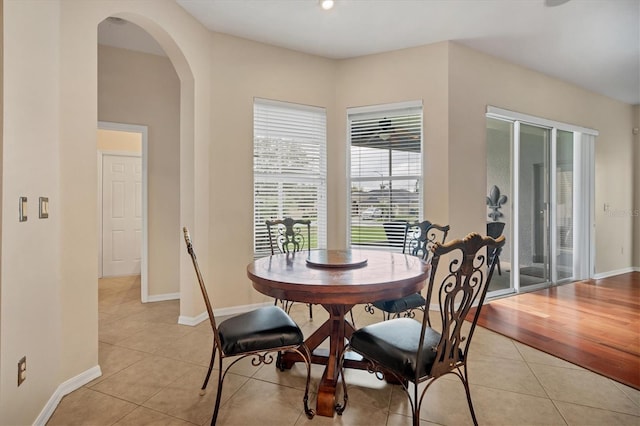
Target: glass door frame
583,206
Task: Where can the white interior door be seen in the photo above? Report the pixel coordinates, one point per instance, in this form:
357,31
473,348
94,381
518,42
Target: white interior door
121,215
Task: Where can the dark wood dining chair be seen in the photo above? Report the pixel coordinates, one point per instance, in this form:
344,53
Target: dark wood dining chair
412,351
289,236
418,239
258,333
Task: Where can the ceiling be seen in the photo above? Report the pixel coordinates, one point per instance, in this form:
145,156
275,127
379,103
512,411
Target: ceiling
594,44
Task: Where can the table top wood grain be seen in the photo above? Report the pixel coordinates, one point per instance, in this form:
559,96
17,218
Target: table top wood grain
383,276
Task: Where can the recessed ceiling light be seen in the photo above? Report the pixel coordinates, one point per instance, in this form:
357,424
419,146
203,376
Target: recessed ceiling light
326,4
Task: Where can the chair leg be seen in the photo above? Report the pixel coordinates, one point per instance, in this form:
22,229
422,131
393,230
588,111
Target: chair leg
206,379
214,419
310,311
465,382
498,265
305,400
416,406
345,397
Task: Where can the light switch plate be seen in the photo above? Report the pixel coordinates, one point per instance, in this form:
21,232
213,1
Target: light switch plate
43,211
23,209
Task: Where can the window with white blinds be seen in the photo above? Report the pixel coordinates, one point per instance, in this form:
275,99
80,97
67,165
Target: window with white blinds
385,173
289,168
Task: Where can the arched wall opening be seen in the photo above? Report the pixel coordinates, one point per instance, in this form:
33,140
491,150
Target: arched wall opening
138,86
189,162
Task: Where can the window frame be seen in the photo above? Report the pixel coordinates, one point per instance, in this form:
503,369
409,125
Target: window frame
319,223
382,111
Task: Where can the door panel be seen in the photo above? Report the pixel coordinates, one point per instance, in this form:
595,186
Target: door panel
121,215
534,205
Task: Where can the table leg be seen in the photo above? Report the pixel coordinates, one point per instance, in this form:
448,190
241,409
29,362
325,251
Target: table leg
337,329
340,329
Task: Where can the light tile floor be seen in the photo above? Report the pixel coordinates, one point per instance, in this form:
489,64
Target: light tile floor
153,368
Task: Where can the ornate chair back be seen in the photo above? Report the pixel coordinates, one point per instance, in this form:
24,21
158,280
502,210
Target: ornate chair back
465,281
419,238
413,351
288,235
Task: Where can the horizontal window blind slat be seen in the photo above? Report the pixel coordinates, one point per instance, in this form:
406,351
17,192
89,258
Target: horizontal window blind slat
385,174
289,168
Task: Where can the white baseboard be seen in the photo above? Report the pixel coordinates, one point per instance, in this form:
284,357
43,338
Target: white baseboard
193,321
614,273
234,310
65,388
163,297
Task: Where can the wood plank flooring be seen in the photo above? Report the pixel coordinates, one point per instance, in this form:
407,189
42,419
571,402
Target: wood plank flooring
594,324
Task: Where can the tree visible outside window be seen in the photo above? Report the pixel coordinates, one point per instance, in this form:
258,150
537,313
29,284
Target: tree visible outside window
289,168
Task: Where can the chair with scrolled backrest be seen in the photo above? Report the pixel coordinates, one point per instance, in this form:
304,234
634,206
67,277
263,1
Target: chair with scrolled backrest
412,351
419,237
288,236
257,333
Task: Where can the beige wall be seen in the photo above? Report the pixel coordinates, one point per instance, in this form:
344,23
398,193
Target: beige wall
456,85
242,70
49,267
143,89
30,270
477,80
405,75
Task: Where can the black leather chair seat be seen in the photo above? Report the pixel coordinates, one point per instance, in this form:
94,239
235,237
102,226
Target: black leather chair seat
394,344
264,328
413,301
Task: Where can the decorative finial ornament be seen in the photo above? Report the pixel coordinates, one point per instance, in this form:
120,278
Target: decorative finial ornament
495,202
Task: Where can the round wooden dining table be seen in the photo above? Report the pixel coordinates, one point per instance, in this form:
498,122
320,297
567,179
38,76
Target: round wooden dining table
337,280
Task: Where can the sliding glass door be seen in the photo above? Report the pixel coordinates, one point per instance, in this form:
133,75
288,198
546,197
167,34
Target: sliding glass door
534,166
540,202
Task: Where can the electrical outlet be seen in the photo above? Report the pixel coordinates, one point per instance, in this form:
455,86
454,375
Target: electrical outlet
22,370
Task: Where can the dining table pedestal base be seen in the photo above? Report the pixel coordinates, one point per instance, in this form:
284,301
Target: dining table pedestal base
338,330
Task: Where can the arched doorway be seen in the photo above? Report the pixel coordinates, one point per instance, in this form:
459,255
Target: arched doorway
185,163
137,83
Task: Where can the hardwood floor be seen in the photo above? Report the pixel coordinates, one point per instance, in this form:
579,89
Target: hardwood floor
594,324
